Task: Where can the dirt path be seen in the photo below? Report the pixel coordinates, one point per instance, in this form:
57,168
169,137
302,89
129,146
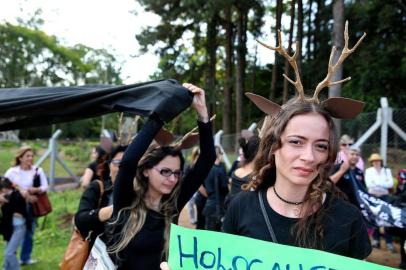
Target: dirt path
384,257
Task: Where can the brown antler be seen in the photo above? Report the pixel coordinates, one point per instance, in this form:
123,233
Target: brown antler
189,139
332,68
292,61
120,128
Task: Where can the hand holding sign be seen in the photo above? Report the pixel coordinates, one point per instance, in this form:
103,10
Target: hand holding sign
164,266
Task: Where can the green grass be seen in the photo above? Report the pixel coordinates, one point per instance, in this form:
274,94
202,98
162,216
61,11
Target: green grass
53,232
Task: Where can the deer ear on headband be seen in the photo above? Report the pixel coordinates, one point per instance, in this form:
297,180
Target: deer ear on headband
165,137
343,108
264,104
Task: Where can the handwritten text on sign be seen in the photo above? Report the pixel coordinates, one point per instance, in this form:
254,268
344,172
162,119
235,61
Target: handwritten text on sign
197,249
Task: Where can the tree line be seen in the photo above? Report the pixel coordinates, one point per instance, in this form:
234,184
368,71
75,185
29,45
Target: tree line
206,42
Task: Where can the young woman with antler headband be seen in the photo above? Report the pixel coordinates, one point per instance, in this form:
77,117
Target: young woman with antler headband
295,201
150,191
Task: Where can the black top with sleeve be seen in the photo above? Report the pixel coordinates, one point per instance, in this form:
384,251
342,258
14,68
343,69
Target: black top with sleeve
87,216
345,184
237,182
344,229
93,166
15,204
216,188
145,250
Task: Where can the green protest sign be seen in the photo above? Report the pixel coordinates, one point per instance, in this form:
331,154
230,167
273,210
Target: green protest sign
197,249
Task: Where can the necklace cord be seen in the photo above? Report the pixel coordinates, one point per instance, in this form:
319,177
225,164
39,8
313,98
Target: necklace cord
286,201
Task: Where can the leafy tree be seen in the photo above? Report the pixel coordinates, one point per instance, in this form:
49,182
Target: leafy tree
380,65
29,57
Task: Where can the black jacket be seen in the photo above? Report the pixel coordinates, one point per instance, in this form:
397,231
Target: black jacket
87,216
16,204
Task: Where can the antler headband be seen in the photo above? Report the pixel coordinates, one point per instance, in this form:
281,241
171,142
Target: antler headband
124,139
164,137
338,107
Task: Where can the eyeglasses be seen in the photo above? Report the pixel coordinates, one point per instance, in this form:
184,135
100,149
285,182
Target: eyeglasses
168,172
346,144
115,161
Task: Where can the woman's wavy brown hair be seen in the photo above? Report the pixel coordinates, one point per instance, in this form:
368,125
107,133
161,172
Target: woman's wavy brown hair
308,231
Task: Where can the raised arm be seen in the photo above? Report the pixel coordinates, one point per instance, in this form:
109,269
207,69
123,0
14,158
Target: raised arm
195,177
123,186
167,109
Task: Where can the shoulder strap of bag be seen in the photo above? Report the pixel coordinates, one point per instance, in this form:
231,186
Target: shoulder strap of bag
35,176
265,214
101,186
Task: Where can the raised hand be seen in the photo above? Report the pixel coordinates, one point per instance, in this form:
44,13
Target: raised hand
199,101
164,266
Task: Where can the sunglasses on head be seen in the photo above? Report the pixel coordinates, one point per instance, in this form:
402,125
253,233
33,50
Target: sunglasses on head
168,172
347,144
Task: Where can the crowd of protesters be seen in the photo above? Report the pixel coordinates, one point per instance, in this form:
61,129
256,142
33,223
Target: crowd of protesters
290,174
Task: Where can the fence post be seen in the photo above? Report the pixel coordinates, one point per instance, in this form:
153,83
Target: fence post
384,129
52,152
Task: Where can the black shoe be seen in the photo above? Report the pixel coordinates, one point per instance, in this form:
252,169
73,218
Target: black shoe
402,265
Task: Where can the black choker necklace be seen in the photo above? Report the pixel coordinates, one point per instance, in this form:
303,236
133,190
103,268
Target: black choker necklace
286,201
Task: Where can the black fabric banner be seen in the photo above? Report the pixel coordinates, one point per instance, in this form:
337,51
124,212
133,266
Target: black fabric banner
376,211
31,107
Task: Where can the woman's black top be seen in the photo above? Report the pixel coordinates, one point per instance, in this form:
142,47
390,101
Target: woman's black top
237,182
345,232
216,188
145,250
87,216
93,166
16,204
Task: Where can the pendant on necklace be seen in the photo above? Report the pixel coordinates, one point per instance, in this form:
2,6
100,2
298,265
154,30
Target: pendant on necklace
296,211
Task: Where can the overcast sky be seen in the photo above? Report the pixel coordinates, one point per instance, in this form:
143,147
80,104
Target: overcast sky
109,24
96,23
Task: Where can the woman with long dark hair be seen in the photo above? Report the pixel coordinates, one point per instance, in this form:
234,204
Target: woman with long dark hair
150,191
96,204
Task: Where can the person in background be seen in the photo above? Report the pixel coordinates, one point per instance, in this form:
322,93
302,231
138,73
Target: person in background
12,222
237,162
196,204
241,175
379,180
95,209
216,187
345,144
345,172
22,176
98,156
